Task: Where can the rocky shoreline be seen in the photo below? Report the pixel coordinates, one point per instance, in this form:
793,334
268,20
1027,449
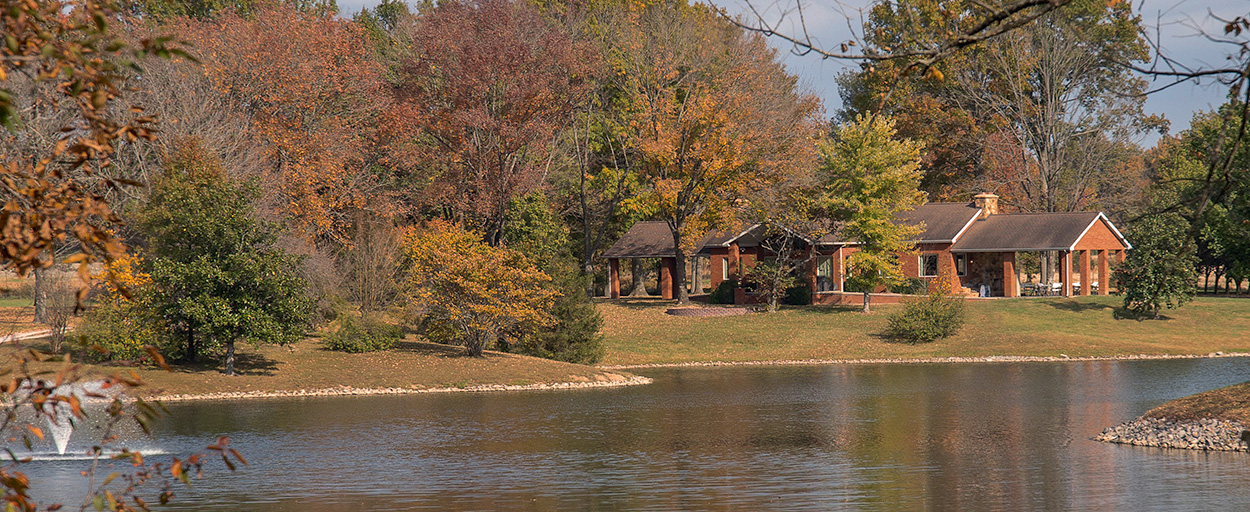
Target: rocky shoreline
920,360
1205,434
606,380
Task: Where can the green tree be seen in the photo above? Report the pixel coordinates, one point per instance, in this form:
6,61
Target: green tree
1159,271
573,336
217,276
1204,177
868,178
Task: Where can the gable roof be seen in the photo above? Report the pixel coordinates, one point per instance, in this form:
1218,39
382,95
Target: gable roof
649,239
943,222
1030,232
646,239
956,223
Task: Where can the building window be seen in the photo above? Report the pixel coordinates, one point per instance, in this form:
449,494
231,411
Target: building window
724,268
961,264
928,265
824,275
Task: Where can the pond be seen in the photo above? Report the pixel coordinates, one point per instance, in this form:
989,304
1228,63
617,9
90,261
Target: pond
976,436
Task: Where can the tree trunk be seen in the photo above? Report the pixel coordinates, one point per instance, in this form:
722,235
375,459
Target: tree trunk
41,295
476,344
696,276
192,350
638,275
679,265
588,270
679,278
867,300
230,357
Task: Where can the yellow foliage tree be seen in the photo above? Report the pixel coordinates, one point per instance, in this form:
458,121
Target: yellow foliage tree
486,292
713,116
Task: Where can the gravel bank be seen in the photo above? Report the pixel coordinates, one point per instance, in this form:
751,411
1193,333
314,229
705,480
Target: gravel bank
1205,434
983,359
601,381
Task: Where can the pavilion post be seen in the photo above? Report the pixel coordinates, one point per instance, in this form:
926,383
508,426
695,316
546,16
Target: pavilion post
1086,282
666,278
1011,283
614,278
1104,272
1065,272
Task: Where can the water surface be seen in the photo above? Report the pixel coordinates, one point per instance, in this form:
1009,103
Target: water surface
978,436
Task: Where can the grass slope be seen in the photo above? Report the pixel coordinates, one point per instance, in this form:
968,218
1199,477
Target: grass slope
307,366
1231,403
639,332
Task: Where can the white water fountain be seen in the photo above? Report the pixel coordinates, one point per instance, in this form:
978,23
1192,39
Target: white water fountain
60,431
63,427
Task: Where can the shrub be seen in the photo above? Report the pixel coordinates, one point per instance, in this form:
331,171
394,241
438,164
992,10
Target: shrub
368,334
574,336
928,318
724,292
119,330
910,286
123,320
799,294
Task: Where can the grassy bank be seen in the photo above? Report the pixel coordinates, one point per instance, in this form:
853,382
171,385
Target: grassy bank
639,332
411,365
1231,403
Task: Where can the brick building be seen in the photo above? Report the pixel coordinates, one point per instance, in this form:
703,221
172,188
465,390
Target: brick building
970,243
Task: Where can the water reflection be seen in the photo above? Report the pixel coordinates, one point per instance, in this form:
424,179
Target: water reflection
892,437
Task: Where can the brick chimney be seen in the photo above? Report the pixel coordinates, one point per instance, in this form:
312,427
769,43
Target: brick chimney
987,202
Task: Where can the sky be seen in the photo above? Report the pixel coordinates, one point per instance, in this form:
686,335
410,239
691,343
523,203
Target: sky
1177,25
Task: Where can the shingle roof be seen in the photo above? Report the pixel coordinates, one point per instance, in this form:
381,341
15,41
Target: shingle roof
651,239
943,221
1025,232
646,239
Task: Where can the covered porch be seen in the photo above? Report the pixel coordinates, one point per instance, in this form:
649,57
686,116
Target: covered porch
1025,273
1067,254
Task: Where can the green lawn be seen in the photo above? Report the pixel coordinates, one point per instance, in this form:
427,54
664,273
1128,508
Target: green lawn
306,365
16,302
639,332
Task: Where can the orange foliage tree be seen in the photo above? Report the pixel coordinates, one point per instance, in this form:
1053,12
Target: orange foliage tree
713,117
485,292
314,91
489,85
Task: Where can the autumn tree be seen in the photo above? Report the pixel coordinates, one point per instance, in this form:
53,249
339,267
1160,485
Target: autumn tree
48,201
68,50
712,116
313,93
791,221
489,85
868,179
487,293
1044,115
216,275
